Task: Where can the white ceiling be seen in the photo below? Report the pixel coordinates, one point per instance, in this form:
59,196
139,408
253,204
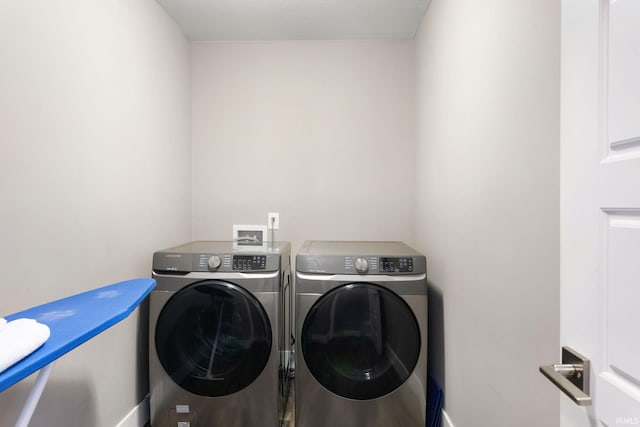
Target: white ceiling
226,20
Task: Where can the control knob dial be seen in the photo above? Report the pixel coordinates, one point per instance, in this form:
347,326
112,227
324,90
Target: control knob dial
361,265
214,262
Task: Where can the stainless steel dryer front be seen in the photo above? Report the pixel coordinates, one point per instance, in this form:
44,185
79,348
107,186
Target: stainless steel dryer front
217,354
361,335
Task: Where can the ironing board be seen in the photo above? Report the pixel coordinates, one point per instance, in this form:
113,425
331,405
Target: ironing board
72,321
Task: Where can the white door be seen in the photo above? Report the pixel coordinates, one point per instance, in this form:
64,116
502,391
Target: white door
600,205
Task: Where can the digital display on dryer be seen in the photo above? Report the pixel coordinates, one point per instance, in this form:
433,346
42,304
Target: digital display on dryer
396,265
249,262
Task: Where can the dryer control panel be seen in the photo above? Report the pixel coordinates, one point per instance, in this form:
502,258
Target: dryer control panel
359,257
396,265
374,264
366,264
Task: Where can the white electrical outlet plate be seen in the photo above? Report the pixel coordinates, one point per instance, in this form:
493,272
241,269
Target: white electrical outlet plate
273,221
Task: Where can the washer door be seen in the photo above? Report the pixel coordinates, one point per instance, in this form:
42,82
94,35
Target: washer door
213,338
360,341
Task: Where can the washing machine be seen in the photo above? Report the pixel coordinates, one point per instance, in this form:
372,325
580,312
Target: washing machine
361,335
218,354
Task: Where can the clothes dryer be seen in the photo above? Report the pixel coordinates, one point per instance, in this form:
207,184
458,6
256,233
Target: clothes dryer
361,335
217,351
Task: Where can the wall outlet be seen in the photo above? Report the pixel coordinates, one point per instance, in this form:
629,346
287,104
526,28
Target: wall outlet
273,221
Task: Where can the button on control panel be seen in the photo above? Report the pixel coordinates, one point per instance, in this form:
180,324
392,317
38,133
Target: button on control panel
361,265
212,262
249,262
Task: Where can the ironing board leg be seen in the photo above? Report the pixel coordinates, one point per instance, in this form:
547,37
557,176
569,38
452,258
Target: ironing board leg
34,396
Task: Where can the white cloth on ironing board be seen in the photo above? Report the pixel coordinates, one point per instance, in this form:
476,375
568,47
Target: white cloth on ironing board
19,338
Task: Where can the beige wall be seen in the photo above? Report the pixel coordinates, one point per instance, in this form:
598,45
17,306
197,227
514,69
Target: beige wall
487,212
322,132
94,176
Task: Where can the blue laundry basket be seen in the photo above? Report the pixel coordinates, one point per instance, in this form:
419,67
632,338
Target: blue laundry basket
435,400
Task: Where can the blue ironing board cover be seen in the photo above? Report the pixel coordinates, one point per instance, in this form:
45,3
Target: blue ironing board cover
75,320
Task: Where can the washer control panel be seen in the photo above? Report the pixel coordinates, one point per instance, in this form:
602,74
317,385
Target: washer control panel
220,257
249,262
234,262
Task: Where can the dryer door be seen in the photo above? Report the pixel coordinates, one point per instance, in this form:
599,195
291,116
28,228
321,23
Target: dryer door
213,338
360,341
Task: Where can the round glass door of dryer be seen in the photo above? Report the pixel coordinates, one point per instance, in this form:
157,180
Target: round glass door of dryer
360,341
213,338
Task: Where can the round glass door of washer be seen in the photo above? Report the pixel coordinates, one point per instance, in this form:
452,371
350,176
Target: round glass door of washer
213,338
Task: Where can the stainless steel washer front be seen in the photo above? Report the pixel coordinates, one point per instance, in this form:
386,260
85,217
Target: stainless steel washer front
215,353
361,335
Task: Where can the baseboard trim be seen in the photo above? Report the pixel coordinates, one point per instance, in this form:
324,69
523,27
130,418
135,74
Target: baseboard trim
138,416
446,421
